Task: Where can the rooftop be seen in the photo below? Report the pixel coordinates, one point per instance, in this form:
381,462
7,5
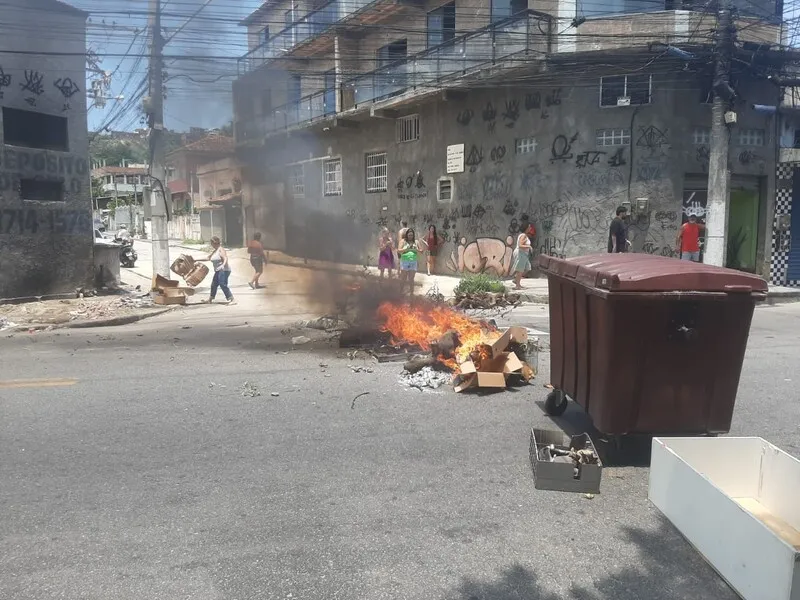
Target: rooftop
107,170
211,144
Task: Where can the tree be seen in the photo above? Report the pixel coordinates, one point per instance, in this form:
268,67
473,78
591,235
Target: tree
114,151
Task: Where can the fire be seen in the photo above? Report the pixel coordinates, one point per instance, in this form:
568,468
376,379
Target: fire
422,325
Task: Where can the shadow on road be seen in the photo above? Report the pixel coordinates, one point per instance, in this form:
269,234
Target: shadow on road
668,568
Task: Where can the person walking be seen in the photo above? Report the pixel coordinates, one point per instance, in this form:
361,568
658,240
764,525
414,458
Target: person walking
222,271
401,237
258,258
385,252
433,242
409,255
688,239
617,234
521,259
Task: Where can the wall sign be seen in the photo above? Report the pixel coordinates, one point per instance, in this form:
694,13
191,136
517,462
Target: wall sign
455,158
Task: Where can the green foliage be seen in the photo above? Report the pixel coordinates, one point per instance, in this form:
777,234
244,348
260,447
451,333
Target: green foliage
480,282
114,151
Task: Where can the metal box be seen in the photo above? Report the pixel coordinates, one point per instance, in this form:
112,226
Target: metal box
560,476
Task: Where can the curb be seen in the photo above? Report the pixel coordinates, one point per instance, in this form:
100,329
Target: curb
112,322
773,299
117,321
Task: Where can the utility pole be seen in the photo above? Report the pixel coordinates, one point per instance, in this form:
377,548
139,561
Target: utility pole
158,171
718,173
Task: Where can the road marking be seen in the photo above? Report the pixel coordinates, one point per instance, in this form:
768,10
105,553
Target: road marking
537,332
35,383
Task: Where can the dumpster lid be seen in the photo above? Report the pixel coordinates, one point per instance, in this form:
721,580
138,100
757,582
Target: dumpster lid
631,272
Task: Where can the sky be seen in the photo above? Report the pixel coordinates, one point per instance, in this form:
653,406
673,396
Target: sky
201,61
198,88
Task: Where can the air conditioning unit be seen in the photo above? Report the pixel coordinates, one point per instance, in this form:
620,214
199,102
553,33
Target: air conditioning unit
624,101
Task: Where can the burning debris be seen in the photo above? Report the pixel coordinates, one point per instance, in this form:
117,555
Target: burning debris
475,351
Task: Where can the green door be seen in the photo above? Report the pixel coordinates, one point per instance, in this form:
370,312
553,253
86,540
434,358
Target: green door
742,229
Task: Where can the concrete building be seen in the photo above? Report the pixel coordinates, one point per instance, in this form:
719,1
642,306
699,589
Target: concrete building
468,114
46,239
222,214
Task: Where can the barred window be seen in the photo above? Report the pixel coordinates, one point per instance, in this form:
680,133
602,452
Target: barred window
408,128
613,137
751,137
525,145
297,180
332,177
701,136
377,172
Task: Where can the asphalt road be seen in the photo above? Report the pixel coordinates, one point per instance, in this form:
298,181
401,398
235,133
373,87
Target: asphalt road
136,468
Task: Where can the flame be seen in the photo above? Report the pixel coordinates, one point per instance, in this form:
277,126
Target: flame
422,325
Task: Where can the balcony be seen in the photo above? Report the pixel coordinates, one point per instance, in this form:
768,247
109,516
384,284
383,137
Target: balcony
313,25
504,46
527,34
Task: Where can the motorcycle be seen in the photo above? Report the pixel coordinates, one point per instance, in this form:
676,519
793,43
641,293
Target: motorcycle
127,255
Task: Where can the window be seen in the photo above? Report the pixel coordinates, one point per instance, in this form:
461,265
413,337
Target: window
796,139
701,136
525,145
377,172
408,128
444,189
265,35
625,90
751,137
332,177
613,137
442,24
42,190
504,9
34,130
297,180
392,53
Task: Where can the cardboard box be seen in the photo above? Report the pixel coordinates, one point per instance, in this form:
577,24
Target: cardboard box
512,334
165,300
560,476
737,501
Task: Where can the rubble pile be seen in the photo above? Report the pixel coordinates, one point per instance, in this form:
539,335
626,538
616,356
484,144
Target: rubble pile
484,300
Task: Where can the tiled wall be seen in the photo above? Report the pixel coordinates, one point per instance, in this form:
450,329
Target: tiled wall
783,206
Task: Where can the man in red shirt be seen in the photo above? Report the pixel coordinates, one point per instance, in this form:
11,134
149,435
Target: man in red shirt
688,239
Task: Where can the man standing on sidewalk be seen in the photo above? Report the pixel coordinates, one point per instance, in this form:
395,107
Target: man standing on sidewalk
688,240
617,234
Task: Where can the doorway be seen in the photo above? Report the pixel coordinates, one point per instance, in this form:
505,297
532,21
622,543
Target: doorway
743,230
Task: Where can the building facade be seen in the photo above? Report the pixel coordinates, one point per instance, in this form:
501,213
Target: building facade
46,240
475,113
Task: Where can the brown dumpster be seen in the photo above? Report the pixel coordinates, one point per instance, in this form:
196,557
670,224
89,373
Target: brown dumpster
647,344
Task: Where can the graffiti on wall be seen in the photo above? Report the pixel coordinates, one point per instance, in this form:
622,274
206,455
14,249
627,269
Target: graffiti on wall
411,187
653,143
489,116
14,163
561,149
484,255
5,82
474,158
30,221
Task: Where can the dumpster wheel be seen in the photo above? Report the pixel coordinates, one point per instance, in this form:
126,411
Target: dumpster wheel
556,403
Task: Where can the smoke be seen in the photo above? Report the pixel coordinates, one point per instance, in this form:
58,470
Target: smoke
199,83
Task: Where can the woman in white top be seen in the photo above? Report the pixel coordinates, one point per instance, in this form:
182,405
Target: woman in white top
222,270
521,259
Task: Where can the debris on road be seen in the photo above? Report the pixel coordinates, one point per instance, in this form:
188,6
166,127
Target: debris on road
193,273
274,394
360,369
484,300
6,324
250,390
168,291
353,404
426,377
300,340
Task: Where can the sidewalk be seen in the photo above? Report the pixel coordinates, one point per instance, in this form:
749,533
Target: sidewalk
534,290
